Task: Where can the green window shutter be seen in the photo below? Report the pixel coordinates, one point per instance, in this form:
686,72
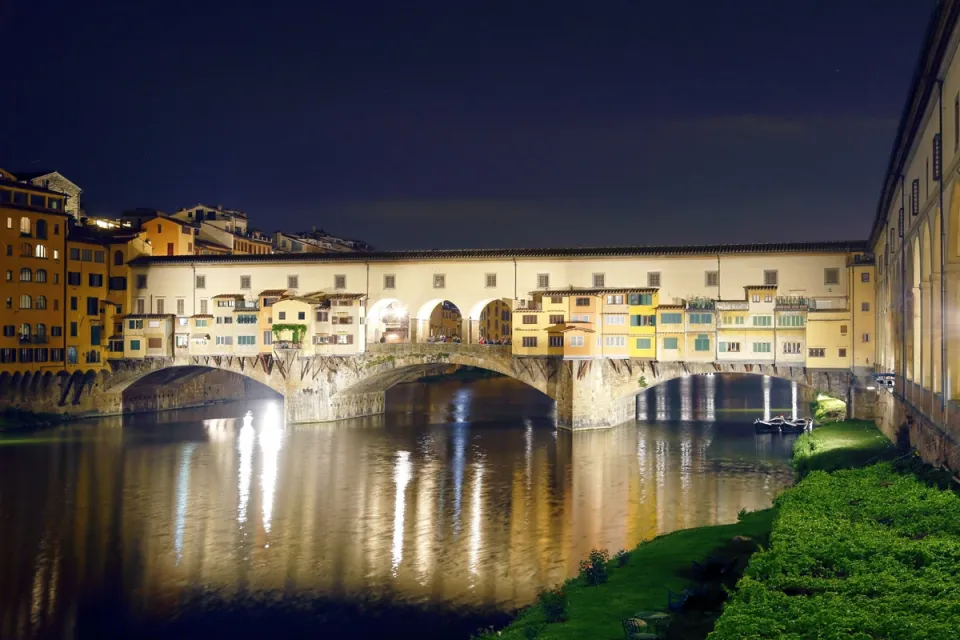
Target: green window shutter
722,347
634,321
646,299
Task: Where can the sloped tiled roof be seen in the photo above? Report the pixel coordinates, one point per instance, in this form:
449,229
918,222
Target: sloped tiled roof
494,254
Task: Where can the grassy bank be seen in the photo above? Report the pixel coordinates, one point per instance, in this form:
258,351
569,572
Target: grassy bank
841,445
651,569
860,553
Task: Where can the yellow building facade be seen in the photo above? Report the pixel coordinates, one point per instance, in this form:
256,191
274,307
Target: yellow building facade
33,231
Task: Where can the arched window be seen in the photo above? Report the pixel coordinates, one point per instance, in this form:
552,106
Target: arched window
42,229
26,275
118,258
40,275
41,332
41,302
25,225
26,302
26,250
25,331
41,251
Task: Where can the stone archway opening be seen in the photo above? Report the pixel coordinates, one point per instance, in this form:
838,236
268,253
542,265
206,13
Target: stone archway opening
182,387
388,321
440,320
491,320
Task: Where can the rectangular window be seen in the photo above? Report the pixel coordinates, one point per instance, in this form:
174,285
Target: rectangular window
556,319
670,343
831,276
712,278
293,282
160,305
301,315
598,280
761,347
142,281
644,299
282,315
95,335
842,353
323,316
529,319
529,342
200,322
93,306
816,352
576,341
73,278
342,339
99,257
180,305
340,281
439,281
201,282
73,329
268,337
543,281
653,278
203,307
865,337
701,318
755,297
762,321
770,278
135,324
843,329
728,347
182,341
390,282
555,341
134,345
702,343
643,321
791,348
671,318
491,279
616,320
225,341
244,282
117,283
247,341
615,299
246,318
643,343
864,306
865,276
582,302
86,255
790,321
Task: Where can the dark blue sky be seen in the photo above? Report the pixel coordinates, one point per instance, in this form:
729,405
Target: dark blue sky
470,123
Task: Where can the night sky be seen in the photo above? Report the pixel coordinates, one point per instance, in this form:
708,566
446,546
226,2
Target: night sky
470,123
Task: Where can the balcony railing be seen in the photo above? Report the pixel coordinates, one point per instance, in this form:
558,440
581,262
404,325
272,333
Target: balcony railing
733,305
864,259
793,302
701,304
34,339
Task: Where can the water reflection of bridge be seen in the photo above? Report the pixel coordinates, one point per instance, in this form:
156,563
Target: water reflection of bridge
448,512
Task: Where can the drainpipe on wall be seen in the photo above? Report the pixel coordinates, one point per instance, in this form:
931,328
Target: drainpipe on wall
514,284
944,247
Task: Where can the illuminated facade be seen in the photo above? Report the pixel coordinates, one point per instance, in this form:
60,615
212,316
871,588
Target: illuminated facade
33,231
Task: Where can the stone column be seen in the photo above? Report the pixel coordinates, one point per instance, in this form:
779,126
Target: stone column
597,394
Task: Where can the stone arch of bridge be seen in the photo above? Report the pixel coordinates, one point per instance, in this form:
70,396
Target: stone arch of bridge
381,372
176,371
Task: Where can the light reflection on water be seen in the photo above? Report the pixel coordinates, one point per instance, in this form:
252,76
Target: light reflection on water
463,494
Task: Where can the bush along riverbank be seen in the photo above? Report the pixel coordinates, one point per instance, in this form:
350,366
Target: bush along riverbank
15,420
640,584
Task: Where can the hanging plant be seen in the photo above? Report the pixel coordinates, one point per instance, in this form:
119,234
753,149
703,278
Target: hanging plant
296,330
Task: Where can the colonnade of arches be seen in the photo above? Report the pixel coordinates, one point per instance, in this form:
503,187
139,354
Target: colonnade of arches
392,320
911,327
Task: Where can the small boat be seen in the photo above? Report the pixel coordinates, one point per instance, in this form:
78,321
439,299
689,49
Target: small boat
779,424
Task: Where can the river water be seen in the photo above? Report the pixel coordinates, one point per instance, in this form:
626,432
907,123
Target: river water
440,516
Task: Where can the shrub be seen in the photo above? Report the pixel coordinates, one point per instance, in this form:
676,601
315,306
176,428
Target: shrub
865,553
622,558
593,570
553,602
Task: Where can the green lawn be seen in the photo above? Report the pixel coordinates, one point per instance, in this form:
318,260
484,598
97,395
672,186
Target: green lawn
841,445
641,585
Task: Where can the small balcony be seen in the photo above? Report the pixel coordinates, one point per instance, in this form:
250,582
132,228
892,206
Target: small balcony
794,303
34,339
733,305
865,259
701,304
